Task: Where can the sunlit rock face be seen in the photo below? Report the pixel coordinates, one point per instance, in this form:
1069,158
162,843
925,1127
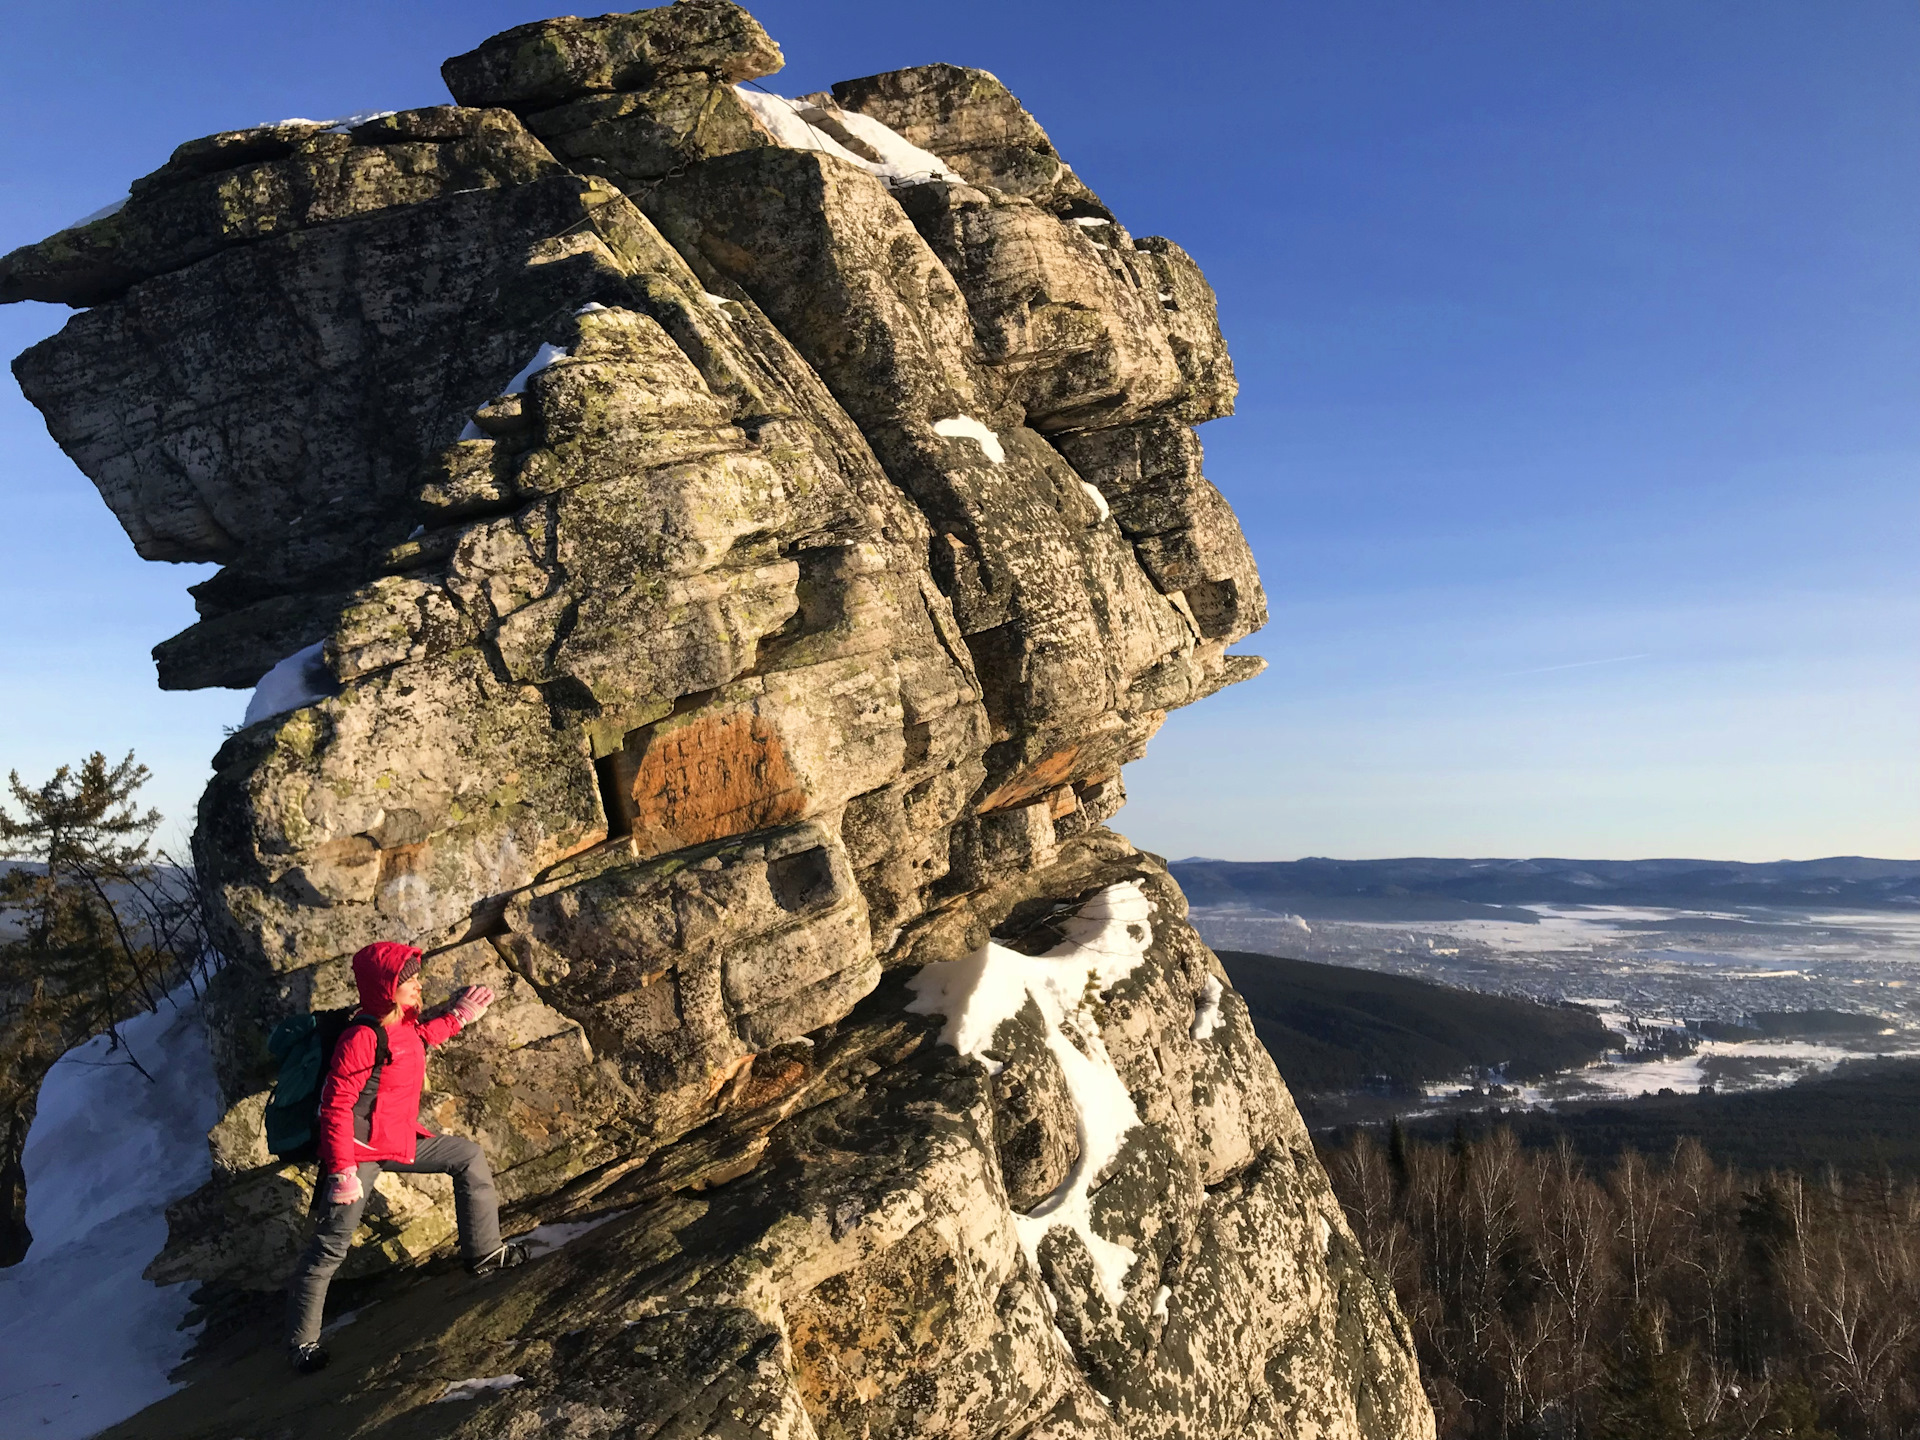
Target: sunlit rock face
744,540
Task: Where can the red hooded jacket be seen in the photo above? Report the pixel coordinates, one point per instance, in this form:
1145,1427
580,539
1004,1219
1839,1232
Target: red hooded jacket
389,1132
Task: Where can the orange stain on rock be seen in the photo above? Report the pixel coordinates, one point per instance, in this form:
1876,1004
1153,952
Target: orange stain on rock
1033,782
720,775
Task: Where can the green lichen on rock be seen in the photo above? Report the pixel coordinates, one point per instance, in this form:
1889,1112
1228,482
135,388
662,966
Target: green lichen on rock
246,186
550,61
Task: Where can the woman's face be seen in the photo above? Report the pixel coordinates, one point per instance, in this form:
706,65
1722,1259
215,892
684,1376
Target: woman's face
407,996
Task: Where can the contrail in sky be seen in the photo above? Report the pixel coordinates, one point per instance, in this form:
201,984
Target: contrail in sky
1579,664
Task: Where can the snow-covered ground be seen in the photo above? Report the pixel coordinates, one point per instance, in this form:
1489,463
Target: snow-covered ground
1654,967
84,1340
1763,1064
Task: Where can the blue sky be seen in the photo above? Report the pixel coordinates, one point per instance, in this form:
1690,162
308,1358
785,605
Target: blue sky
1578,431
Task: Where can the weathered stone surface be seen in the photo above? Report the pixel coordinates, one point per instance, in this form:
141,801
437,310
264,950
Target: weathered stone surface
235,648
741,574
971,120
1057,312
1036,1125
862,1274
1077,657
551,61
1183,531
636,136
245,186
1089,327
320,481
1190,316
685,970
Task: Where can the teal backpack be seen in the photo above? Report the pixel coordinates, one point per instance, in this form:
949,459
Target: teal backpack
304,1045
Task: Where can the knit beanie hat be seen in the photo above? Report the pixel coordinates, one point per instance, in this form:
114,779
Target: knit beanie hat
380,969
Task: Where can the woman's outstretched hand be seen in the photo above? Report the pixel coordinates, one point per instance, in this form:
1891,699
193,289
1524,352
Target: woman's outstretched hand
344,1188
471,1003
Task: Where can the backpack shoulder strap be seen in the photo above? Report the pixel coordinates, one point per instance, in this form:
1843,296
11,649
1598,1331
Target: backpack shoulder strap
382,1053
370,1091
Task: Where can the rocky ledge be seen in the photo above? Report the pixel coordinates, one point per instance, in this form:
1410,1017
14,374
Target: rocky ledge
704,559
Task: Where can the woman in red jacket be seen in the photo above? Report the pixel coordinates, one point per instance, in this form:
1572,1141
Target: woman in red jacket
370,1121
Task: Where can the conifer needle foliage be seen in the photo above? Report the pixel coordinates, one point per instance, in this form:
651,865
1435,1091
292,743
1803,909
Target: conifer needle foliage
94,926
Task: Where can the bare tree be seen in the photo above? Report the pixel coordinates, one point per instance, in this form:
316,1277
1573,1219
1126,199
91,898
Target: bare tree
1679,1299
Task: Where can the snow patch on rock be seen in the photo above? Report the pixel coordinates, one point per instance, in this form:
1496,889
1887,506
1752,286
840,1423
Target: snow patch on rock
1099,500
785,121
1206,1008
546,1238
1105,942
345,123
300,679
902,162
965,427
475,1389
542,358
800,125
85,1340
340,1322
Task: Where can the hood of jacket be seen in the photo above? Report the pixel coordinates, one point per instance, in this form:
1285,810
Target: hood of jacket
378,970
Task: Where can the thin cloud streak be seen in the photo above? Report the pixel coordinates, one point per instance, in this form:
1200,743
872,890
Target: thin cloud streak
1580,664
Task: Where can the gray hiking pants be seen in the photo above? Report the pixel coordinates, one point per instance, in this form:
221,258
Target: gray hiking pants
476,1204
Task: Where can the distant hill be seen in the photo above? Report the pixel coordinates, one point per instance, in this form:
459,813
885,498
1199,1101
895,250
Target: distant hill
1423,889
1333,1028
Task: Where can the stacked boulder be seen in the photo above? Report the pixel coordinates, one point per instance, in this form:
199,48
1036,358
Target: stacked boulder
708,557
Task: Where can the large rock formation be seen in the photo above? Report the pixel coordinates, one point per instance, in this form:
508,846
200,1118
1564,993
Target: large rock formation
709,557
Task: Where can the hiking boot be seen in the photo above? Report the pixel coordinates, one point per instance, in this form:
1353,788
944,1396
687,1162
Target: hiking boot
505,1258
309,1359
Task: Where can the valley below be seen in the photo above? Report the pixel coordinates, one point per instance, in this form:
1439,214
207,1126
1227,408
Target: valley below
1707,998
